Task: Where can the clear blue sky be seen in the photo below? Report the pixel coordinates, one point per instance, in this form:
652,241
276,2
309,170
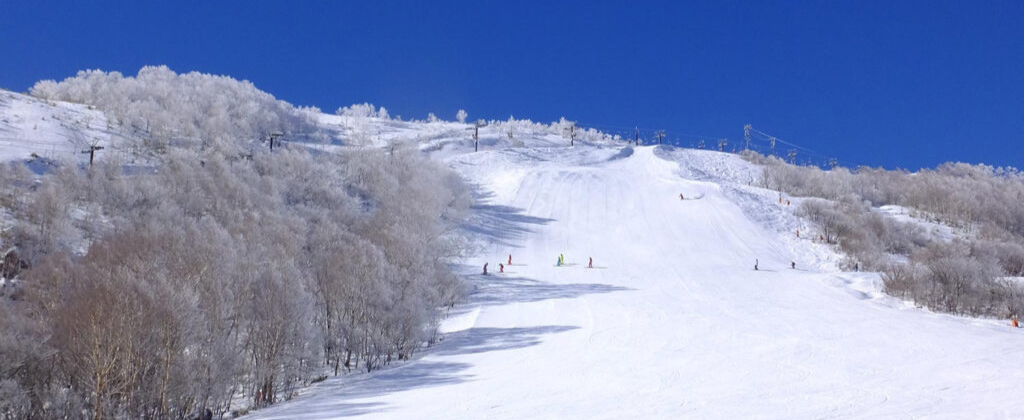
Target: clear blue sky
899,84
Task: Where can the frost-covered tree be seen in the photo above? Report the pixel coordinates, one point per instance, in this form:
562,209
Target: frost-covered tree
363,110
217,279
193,109
979,201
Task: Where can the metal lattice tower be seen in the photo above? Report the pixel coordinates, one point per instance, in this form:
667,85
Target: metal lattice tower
746,135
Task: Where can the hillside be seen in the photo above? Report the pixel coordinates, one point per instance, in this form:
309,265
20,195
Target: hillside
672,321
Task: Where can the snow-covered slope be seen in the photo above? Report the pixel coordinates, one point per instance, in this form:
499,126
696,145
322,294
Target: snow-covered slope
672,321
57,131
931,228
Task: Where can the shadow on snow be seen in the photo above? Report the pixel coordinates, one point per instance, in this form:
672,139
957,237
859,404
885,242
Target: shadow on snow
337,396
482,340
500,290
497,224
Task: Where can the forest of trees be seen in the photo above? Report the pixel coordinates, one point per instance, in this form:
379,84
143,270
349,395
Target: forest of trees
213,280
978,273
163,109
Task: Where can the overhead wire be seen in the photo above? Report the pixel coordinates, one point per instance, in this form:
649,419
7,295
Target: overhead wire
808,151
759,140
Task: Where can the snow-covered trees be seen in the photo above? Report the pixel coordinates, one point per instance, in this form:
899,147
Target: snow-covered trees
972,197
191,109
212,278
363,110
969,276
954,277
461,116
866,237
513,128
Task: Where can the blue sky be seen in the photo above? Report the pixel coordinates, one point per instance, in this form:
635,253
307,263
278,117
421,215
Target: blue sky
896,84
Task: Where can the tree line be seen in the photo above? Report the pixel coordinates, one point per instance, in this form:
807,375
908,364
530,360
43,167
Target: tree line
217,281
976,273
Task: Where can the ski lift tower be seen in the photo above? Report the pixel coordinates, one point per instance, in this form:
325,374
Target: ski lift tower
272,137
476,134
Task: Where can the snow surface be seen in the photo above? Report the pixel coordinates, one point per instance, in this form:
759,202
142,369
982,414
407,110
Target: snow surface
51,130
672,322
908,215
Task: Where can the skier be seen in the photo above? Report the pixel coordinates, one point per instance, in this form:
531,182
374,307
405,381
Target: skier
561,259
501,268
485,269
681,197
591,263
509,259
798,233
856,268
792,264
559,262
755,264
